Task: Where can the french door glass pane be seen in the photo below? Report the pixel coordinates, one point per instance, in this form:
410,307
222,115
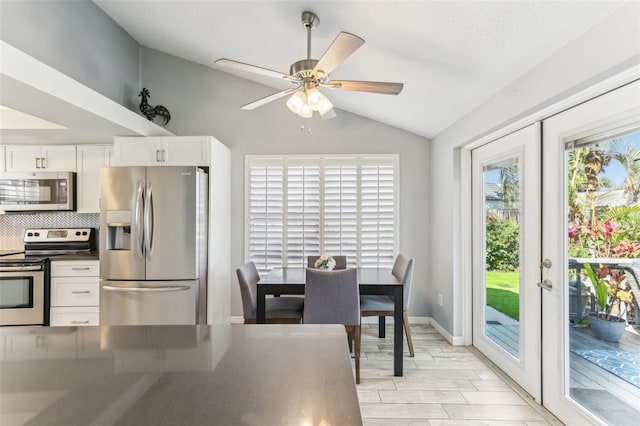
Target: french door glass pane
603,214
501,183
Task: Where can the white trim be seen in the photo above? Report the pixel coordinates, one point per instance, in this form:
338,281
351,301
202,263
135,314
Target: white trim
464,193
236,319
453,340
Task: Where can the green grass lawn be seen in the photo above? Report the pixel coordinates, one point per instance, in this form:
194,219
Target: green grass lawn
503,292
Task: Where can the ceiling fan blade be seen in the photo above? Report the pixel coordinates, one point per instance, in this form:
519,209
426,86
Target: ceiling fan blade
341,48
254,69
382,87
270,98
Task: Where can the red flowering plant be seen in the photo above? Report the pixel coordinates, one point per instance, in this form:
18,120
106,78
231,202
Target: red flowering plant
612,291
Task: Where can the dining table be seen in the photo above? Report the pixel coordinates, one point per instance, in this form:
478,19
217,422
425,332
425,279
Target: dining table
371,281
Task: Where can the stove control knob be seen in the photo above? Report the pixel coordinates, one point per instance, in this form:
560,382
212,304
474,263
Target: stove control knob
84,232
77,232
37,234
29,234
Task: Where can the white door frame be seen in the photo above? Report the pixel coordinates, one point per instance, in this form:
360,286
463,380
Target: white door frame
619,109
463,252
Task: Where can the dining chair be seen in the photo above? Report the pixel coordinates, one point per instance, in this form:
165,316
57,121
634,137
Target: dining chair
341,261
333,297
278,310
382,306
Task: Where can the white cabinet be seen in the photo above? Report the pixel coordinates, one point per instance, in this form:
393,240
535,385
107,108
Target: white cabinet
41,343
35,158
2,159
161,151
90,159
75,292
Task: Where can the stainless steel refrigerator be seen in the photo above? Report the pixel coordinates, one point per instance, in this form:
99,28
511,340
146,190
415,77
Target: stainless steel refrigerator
153,245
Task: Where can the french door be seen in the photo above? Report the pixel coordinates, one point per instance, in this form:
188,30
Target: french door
506,253
576,388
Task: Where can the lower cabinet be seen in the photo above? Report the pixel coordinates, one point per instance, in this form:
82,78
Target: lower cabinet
75,293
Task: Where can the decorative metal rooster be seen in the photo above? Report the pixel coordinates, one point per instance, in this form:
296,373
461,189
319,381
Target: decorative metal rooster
152,111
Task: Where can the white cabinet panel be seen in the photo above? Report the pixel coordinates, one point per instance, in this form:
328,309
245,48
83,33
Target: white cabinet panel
90,159
75,268
3,167
162,151
75,316
132,151
75,292
51,158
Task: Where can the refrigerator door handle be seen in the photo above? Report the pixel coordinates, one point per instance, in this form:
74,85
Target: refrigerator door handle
138,221
147,289
149,222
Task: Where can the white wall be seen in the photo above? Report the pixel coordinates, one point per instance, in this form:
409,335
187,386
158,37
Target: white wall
605,50
203,101
78,39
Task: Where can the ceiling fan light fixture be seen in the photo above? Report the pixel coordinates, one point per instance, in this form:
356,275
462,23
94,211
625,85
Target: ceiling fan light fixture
297,101
325,106
306,111
315,98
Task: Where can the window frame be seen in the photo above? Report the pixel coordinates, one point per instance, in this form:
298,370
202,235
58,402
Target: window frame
321,160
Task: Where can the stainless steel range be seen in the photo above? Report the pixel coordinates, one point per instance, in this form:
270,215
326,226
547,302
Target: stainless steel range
24,275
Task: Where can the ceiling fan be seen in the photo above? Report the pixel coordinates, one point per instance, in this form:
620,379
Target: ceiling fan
307,75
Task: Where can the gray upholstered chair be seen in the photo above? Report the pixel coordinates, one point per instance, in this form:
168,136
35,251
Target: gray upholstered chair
278,310
341,261
382,306
333,297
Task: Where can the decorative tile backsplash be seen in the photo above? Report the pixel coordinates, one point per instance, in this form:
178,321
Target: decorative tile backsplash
12,226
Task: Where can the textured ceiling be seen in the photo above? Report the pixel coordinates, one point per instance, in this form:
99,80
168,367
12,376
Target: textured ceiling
451,55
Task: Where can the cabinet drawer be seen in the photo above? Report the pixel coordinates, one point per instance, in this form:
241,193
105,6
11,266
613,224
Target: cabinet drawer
76,268
75,291
76,316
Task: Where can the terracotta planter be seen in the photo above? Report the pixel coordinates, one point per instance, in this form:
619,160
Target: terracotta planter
610,331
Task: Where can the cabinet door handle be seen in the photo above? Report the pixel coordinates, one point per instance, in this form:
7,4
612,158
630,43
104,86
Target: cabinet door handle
158,156
44,162
38,163
80,322
81,269
81,292
164,155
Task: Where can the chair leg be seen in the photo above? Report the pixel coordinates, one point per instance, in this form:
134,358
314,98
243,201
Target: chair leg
381,326
350,340
356,334
407,332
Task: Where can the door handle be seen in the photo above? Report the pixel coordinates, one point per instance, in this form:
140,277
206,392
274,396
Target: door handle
138,220
81,269
147,289
81,292
164,156
546,285
44,162
38,162
80,322
158,156
149,223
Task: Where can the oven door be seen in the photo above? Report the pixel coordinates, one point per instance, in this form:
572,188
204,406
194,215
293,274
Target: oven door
21,295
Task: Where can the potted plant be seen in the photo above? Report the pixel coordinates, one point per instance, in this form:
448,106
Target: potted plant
610,292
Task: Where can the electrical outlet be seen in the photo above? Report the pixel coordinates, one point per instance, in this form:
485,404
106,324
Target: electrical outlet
439,299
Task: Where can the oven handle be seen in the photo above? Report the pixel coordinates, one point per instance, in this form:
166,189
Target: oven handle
20,268
147,289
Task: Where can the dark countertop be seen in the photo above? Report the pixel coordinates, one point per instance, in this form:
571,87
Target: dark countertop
177,375
91,255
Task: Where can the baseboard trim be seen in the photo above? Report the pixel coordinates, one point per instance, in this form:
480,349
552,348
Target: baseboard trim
454,340
236,319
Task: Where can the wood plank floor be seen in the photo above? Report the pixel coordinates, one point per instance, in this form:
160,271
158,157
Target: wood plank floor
442,385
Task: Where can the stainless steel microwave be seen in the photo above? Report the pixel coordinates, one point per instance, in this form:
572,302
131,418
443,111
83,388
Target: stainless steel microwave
40,191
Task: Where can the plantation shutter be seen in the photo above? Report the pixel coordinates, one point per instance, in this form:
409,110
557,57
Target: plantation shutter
266,192
303,211
377,226
303,206
340,217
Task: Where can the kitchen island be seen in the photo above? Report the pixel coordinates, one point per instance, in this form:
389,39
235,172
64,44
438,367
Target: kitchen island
177,375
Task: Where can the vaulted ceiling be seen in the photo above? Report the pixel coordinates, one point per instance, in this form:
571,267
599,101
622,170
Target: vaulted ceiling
451,55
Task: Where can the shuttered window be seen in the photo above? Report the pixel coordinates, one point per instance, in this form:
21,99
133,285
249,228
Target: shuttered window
302,206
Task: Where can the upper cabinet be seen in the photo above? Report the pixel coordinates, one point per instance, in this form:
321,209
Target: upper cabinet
91,158
37,158
161,151
2,159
